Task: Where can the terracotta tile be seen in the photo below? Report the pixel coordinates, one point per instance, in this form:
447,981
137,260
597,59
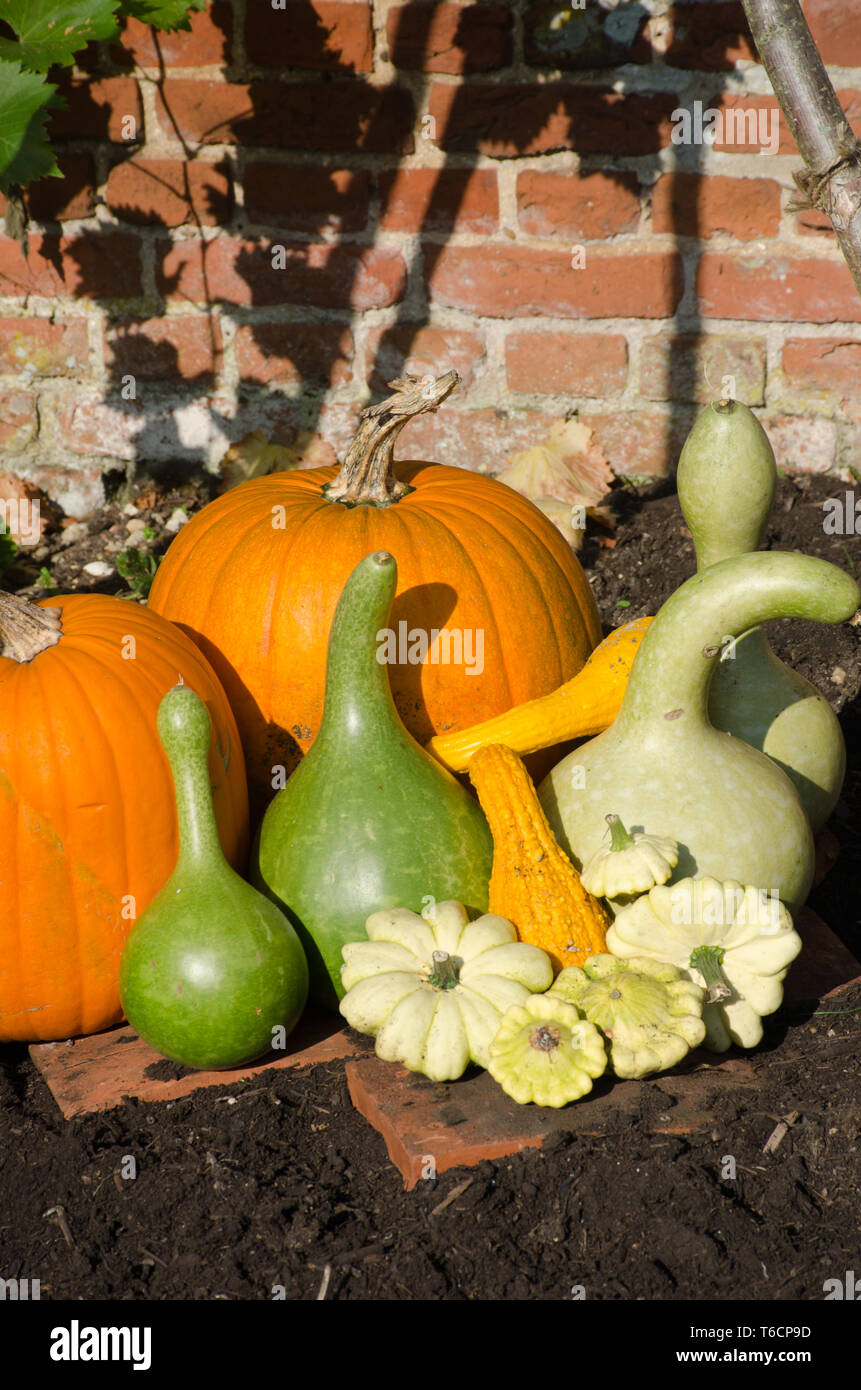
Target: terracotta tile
97,1072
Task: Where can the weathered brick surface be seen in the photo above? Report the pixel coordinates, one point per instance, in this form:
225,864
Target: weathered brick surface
591,37
568,204
286,354
692,368
207,42
696,205
171,349
62,200
42,347
509,119
422,352
170,192
343,116
92,265
709,37
582,364
449,38
251,273
785,288
439,200
826,364
327,35
98,109
303,199
504,282
17,419
836,30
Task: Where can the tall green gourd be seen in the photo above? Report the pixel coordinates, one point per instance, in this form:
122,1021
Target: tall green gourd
213,973
665,769
368,820
726,480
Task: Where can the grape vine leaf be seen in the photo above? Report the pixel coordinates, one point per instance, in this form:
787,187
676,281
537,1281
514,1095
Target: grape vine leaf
53,31
163,14
25,100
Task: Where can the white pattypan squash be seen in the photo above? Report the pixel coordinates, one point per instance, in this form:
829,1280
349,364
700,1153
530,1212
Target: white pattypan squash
546,1053
630,863
649,1012
735,941
432,988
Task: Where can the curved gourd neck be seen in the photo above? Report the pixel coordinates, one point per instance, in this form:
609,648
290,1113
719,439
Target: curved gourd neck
672,672
358,695
185,732
726,482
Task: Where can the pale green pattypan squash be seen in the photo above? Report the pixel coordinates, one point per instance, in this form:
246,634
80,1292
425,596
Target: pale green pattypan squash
432,989
649,1012
736,941
546,1053
630,863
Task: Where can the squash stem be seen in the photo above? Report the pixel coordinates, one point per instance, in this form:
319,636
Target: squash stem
619,837
26,629
446,971
708,961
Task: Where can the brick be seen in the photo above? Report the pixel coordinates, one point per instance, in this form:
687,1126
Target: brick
170,192
507,281
93,265
811,222
751,125
100,1071
482,440
207,43
640,441
422,351
808,445
709,37
569,204
785,288
827,364
17,419
301,198
577,364
165,349
509,119
326,35
836,30
97,110
590,37
440,200
63,200
699,206
449,38
325,116
43,347
289,354
692,368
242,272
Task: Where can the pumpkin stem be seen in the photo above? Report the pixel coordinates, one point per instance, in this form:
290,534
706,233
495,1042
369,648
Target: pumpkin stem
707,960
619,837
26,629
544,1038
367,473
446,970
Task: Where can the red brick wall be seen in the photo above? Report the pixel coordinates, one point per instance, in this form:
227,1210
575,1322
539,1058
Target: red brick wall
429,171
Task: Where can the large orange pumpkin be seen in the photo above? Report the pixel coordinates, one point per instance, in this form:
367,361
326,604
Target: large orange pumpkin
88,831
255,577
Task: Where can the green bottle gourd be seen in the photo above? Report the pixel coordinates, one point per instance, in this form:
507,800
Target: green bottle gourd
213,970
726,480
369,820
734,812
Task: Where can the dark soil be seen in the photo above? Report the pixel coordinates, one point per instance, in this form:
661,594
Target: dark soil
278,1184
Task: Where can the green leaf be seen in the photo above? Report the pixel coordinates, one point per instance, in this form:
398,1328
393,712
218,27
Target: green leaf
25,153
162,14
53,31
138,570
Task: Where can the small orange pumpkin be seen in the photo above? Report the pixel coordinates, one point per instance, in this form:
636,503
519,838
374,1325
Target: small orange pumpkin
255,577
88,831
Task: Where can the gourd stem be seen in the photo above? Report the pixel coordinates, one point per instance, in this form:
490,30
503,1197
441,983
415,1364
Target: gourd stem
446,971
619,837
367,473
708,961
26,629
671,675
185,732
358,694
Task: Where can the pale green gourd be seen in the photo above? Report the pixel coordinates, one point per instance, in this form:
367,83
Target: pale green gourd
726,480
734,813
